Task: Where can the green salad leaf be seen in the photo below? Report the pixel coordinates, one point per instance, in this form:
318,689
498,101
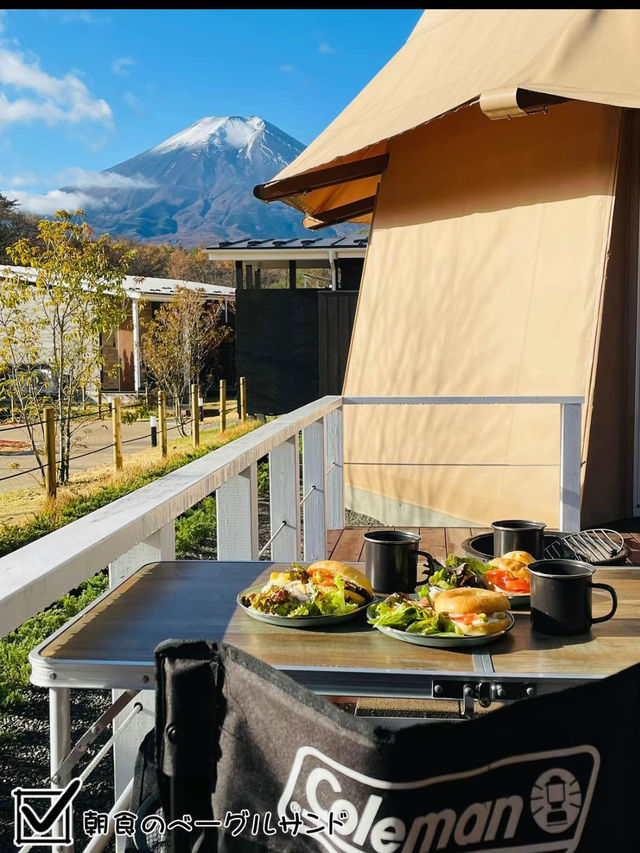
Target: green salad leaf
476,566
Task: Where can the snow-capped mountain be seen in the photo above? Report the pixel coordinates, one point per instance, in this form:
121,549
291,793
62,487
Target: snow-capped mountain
195,188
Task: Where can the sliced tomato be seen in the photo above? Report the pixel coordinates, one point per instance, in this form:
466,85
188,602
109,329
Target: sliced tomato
503,579
467,618
517,585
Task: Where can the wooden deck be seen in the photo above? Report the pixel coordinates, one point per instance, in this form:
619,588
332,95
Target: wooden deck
348,544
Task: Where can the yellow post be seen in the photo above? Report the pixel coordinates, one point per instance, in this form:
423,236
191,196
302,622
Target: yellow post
162,417
116,423
50,478
243,399
223,405
195,416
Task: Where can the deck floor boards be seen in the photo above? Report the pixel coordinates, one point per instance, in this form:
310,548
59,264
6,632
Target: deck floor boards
348,544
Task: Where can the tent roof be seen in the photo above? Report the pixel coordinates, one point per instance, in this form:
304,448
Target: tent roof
451,59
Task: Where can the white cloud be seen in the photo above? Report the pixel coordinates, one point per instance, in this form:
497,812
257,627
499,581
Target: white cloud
135,104
26,179
48,203
325,48
52,99
122,66
84,179
287,69
82,16
81,182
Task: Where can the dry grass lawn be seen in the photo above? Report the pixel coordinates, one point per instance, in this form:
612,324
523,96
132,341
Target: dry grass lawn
20,506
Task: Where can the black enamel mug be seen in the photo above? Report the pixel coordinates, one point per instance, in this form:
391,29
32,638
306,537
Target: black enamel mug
561,597
391,560
518,535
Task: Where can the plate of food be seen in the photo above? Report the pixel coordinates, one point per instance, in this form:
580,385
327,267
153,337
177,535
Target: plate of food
456,618
327,592
508,575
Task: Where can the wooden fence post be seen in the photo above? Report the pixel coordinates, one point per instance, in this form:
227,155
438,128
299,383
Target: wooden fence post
223,405
195,416
243,399
162,417
50,474
116,423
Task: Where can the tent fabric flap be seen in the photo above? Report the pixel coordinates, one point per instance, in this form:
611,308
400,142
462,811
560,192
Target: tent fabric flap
455,56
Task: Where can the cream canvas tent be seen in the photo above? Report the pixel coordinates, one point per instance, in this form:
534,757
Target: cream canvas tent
503,260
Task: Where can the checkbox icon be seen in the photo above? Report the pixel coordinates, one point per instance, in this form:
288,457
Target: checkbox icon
44,816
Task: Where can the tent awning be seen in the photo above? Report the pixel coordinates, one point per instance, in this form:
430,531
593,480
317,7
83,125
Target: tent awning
451,60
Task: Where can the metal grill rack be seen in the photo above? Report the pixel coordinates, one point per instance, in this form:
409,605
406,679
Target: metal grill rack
592,546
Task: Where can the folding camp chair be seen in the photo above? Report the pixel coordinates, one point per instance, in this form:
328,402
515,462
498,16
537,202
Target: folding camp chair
248,760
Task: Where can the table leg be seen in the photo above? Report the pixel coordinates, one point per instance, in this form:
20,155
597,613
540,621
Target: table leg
60,741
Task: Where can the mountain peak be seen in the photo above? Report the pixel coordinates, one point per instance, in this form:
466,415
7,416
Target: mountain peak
223,131
196,187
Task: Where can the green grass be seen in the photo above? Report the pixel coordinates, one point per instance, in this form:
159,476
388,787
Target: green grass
14,648
193,528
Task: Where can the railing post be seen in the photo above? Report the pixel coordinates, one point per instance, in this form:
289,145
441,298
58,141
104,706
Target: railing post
50,473
284,492
195,416
161,545
243,398
162,417
313,491
570,466
223,405
335,471
116,423
237,516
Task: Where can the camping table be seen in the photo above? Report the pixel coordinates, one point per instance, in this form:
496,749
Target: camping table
110,644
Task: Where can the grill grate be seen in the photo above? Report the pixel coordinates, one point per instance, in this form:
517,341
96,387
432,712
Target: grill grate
591,546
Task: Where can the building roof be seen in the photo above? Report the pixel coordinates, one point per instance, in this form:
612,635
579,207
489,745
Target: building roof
309,251
295,243
140,286
493,60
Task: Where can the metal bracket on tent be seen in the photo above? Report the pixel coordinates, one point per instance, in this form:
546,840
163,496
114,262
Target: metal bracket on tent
501,103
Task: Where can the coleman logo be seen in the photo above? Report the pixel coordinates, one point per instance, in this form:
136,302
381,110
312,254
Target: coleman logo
535,802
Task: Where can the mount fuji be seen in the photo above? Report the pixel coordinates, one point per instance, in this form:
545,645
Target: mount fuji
195,188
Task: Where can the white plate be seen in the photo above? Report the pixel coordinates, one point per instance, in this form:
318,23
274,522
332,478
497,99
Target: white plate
443,641
296,621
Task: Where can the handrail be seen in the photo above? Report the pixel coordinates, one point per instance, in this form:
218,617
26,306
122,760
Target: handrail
39,573
42,571
462,401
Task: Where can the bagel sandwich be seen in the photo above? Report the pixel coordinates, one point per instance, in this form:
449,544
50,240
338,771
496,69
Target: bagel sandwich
474,612
520,557
357,587
509,576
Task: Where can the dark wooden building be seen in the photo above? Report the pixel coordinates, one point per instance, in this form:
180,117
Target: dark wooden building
292,339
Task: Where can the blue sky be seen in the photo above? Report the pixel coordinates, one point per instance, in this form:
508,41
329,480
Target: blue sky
85,90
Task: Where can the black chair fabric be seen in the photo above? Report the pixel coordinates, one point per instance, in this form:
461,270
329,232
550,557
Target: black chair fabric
282,769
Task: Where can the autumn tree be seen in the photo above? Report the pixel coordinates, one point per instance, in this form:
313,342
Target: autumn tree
54,318
183,336
14,225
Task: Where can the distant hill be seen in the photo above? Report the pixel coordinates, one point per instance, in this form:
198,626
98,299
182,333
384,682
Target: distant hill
195,188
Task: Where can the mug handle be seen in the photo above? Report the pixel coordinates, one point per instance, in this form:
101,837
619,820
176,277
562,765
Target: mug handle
613,595
430,559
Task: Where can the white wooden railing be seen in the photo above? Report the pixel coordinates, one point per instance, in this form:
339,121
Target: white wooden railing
139,527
